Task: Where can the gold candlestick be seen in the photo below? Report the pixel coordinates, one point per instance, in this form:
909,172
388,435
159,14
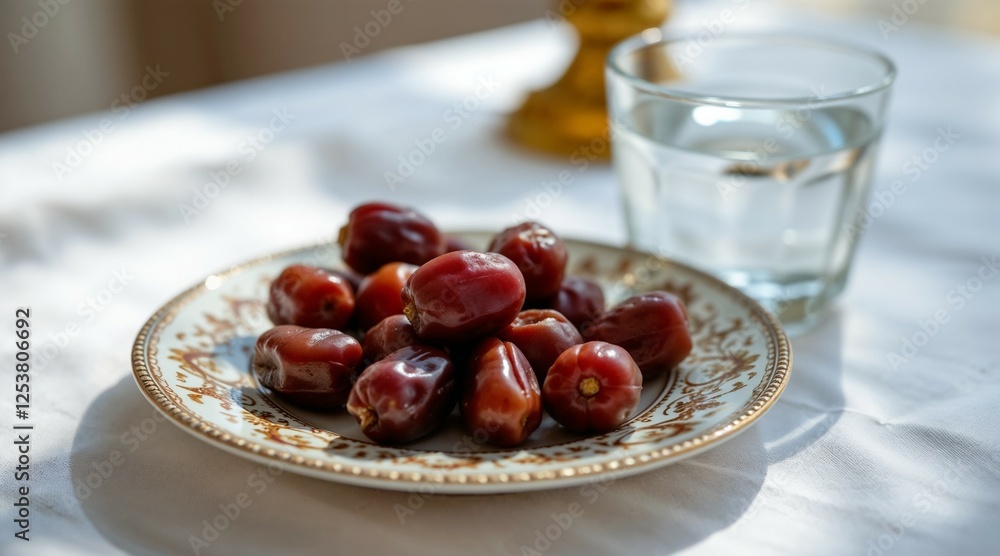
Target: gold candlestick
573,111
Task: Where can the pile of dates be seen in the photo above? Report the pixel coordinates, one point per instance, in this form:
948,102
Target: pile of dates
421,323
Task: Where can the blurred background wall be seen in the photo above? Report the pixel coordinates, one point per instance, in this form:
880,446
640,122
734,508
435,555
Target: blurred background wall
66,57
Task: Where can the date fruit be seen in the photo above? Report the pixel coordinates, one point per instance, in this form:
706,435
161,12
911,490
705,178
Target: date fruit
592,387
579,300
404,396
312,297
453,243
352,278
307,366
538,253
501,401
379,294
378,233
390,335
541,335
463,296
651,326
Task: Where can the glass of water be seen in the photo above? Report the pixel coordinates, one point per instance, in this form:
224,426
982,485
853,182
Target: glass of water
749,156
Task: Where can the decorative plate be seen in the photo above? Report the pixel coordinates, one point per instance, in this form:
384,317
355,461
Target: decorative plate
192,360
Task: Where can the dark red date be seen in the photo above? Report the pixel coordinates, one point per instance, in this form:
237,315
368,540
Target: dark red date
592,387
538,253
378,233
307,366
501,400
404,396
308,296
652,327
388,336
579,300
462,296
541,335
379,294
351,277
453,243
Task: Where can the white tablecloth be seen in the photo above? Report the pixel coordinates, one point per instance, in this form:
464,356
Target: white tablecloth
877,447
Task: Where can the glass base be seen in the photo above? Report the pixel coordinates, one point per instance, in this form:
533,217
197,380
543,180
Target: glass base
799,301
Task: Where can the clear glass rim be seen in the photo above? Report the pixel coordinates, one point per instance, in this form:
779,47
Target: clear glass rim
655,36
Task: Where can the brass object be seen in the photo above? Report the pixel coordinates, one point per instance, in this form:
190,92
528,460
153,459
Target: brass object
573,111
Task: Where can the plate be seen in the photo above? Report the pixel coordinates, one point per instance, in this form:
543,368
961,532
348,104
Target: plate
192,358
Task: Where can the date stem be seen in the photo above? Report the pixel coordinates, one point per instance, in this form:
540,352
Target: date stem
367,417
589,387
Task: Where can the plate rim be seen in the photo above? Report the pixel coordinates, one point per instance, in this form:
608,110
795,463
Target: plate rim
445,481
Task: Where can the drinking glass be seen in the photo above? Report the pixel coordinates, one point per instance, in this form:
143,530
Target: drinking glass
749,156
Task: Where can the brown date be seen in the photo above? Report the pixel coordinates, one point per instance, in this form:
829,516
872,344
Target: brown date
388,336
404,396
308,296
538,253
307,366
379,294
579,300
541,335
463,295
501,401
378,233
651,326
592,387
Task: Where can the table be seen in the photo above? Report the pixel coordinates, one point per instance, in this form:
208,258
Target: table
887,440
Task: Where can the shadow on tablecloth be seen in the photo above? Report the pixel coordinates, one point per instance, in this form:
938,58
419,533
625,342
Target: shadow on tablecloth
150,488
813,401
